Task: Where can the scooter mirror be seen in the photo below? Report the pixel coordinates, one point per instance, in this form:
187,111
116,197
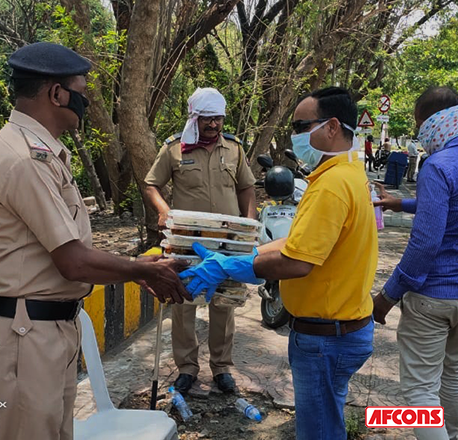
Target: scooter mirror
291,155
265,161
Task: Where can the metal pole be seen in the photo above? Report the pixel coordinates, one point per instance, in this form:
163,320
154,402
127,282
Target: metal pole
157,359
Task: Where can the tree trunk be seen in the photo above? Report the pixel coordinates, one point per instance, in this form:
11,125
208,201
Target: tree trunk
113,153
136,81
90,169
98,115
102,173
264,138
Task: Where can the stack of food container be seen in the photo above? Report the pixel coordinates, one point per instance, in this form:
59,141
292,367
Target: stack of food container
226,234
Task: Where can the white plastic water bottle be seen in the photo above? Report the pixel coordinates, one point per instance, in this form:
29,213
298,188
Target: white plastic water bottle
248,410
180,404
378,209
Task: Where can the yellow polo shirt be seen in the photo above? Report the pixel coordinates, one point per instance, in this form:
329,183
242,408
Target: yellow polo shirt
335,230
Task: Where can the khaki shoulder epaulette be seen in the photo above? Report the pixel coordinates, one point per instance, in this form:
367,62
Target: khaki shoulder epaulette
172,138
38,150
231,137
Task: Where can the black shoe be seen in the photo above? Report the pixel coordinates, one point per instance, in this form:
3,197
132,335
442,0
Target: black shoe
225,382
184,383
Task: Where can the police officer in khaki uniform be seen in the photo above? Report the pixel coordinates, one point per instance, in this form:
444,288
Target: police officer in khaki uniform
47,264
210,173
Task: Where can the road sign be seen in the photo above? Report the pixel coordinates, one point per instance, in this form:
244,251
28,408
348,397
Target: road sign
383,118
365,120
385,103
366,130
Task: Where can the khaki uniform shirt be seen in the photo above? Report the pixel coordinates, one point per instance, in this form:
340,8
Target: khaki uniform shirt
202,180
40,209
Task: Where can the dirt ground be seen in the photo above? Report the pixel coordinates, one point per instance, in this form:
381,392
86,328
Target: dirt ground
118,235
217,418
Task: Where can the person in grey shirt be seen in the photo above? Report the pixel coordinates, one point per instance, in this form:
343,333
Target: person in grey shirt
413,157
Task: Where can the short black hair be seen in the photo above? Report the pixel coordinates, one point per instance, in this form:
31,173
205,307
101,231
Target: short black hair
370,138
335,102
29,87
435,99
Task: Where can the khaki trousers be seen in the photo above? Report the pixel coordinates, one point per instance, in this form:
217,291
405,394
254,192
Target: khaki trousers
428,345
412,167
220,341
38,380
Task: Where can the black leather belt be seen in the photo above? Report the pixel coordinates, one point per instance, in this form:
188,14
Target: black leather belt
42,310
301,325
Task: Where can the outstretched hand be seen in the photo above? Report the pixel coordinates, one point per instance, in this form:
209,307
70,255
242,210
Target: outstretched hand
215,268
387,201
207,275
163,281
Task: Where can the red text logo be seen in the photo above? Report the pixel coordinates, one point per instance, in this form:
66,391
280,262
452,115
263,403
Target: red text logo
404,416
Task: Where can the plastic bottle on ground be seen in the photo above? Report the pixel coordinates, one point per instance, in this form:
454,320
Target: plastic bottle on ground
248,410
180,404
378,209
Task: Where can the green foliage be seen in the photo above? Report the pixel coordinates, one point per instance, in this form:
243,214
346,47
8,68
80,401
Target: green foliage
96,141
81,177
64,30
106,41
352,423
132,196
5,103
78,170
421,63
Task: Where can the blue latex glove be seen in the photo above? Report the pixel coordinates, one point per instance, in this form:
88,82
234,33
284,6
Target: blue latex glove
215,268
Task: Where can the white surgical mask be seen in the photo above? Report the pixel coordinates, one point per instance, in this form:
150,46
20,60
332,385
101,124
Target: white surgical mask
310,155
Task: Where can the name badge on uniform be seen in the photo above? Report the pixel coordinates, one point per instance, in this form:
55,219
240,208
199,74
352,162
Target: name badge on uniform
38,150
42,155
187,162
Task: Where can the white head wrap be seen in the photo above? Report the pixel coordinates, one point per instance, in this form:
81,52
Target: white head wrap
203,102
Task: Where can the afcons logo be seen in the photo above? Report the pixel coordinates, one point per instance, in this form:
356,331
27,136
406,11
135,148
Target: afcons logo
404,416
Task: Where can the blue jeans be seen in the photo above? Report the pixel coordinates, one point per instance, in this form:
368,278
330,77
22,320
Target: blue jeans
322,367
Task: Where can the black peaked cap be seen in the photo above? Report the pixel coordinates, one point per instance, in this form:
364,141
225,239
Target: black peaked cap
47,59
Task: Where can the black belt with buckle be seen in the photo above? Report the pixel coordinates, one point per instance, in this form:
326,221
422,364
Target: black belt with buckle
42,310
308,327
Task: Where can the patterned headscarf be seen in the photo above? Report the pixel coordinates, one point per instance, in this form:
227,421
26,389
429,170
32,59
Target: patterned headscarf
439,129
203,102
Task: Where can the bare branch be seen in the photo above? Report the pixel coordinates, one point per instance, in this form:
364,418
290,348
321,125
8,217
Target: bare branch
12,35
186,40
438,6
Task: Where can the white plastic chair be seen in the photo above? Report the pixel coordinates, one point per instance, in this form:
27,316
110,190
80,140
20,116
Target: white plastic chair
110,423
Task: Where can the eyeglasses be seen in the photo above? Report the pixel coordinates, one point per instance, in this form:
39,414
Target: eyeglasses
300,126
210,119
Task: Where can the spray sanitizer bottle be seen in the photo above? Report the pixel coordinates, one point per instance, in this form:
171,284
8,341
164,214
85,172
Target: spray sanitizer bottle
378,209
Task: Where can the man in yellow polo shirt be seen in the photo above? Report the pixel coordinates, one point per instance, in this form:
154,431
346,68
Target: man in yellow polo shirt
327,265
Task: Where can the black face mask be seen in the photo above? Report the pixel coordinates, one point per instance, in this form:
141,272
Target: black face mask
77,103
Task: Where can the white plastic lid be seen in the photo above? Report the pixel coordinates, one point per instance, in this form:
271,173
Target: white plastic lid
176,214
